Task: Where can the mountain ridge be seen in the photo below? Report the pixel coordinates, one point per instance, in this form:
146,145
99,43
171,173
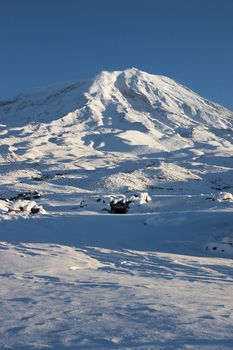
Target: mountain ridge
115,119
40,94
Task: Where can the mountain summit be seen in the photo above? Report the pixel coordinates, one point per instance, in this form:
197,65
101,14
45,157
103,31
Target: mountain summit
121,111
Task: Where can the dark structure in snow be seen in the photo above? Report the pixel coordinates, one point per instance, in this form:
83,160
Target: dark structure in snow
119,207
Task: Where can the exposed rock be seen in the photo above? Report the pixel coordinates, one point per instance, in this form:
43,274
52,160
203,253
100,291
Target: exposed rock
35,210
26,195
120,206
223,196
26,207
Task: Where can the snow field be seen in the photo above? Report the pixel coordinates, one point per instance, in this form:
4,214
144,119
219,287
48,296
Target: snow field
75,276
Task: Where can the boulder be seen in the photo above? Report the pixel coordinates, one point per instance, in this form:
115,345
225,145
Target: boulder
119,206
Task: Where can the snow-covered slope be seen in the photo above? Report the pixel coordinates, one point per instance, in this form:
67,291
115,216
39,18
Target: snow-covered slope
80,276
118,116
106,299
116,112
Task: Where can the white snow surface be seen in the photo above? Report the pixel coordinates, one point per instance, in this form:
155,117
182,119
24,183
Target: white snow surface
79,277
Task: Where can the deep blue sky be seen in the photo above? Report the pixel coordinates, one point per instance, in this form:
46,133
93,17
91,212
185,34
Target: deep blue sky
48,41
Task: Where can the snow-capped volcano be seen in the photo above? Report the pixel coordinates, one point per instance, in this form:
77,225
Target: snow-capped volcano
78,152
122,111
119,120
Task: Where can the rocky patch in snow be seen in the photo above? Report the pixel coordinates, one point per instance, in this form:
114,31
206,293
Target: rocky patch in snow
224,247
223,196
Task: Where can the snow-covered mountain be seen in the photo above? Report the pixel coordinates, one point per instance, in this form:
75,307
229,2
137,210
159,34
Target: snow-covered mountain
157,276
129,111
118,120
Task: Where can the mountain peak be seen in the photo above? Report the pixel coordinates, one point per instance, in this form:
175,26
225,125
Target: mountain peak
119,111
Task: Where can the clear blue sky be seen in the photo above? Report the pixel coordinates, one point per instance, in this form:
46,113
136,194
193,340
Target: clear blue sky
48,41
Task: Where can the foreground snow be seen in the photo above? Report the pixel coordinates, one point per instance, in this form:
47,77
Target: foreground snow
135,281
63,297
